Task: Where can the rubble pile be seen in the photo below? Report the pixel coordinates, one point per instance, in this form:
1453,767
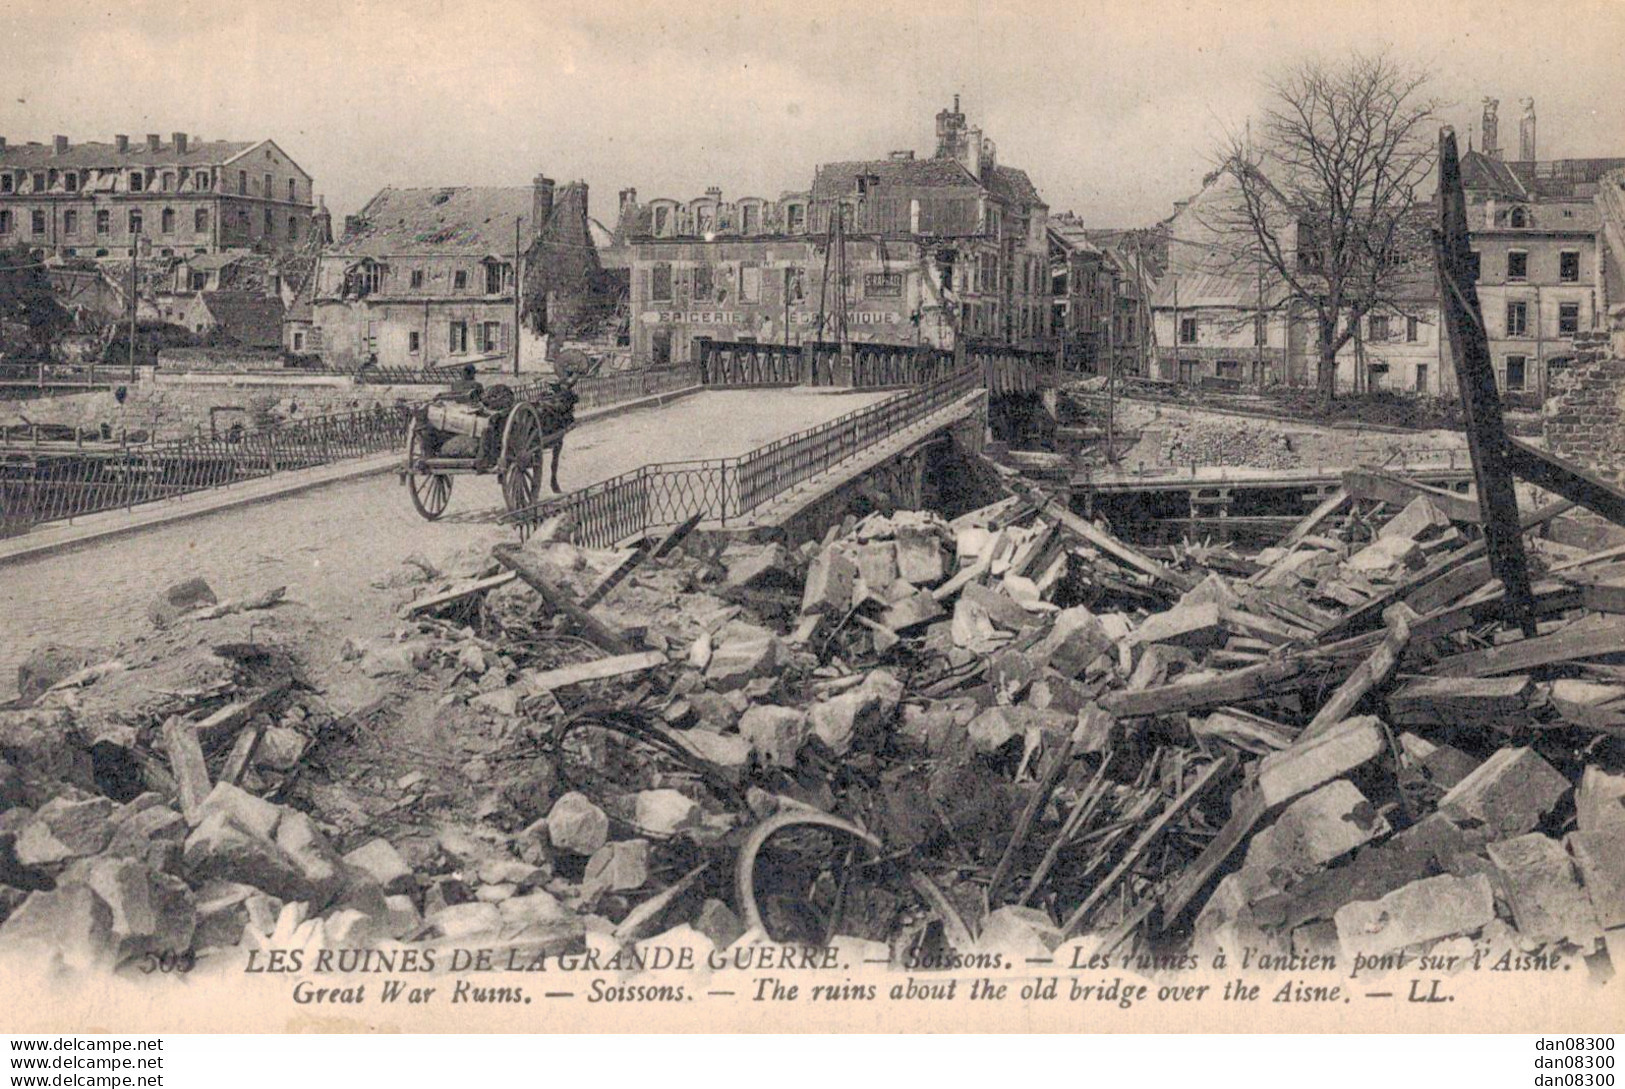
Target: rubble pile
1237,444
1005,730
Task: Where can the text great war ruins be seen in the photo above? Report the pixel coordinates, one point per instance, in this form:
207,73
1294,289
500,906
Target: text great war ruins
890,587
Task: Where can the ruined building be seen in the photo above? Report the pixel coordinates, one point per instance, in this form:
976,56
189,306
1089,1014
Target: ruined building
181,196
901,250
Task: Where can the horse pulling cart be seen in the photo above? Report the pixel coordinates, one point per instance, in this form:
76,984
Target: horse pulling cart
480,432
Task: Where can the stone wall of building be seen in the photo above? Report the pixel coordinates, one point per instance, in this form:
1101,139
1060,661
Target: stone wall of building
1585,415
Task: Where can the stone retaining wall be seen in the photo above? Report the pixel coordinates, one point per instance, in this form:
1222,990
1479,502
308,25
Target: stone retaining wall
176,406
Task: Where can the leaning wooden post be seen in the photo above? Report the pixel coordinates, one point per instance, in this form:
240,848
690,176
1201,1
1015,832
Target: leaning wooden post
1480,400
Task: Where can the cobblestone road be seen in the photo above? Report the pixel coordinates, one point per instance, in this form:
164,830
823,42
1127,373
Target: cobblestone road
329,545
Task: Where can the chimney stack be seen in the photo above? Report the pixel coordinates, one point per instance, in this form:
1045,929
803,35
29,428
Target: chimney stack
180,143
1526,131
122,143
1491,128
2,143
714,193
541,203
59,145
154,141
629,197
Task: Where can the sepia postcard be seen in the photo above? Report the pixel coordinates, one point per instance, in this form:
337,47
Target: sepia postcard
767,517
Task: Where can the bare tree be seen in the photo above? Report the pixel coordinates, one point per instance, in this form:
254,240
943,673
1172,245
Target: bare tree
1327,214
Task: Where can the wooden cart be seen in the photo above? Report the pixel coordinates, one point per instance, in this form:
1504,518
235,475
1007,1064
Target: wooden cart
460,436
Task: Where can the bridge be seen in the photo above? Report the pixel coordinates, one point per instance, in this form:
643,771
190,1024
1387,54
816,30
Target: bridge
743,458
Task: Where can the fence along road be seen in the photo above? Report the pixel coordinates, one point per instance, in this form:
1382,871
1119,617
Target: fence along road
330,544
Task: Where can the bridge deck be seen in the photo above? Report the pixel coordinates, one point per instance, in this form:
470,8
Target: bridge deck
331,544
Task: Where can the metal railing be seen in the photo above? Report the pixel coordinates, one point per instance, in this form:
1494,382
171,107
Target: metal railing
1004,368
666,493
37,489
61,375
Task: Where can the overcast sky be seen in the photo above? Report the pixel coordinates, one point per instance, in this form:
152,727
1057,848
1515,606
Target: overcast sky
1111,107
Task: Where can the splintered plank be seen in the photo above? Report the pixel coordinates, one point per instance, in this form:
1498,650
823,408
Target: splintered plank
1204,779
601,669
1399,491
1238,686
460,592
597,632
1366,676
186,763
616,577
1368,615
1590,637
1123,553
1446,700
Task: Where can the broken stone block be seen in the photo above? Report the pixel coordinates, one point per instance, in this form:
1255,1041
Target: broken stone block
828,588
1508,793
1600,858
466,920
861,711
912,611
69,926
1213,590
919,557
221,914
1419,518
1386,554
1285,775
255,814
151,911
305,845
576,825
379,860
619,866
1227,924
734,663
972,628
182,597
755,566
664,812
719,924
1076,638
1003,611
394,658
1318,828
280,749
877,565
1021,932
724,750
222,849
64,829
535,909
1423,911
153,835
1548,904
503,702
995,727
776,732
1191,626
1599,804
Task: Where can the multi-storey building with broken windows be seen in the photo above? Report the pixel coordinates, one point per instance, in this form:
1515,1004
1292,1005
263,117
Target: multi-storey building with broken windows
168,198
901,250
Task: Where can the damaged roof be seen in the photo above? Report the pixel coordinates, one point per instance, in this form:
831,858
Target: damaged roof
836,180
463,219
94,154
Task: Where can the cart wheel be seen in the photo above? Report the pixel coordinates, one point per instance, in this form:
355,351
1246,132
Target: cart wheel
431,492
522,452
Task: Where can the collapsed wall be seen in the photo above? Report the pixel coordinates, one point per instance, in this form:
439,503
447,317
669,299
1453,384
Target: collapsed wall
1583,414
